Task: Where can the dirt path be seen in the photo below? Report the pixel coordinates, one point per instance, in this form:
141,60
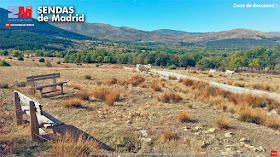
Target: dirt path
230,88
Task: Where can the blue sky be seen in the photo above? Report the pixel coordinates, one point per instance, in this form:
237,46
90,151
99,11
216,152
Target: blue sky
185,15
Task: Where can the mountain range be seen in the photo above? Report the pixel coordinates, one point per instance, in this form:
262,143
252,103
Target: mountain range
62,35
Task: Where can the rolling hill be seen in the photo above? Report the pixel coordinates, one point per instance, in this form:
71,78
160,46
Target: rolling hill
234,37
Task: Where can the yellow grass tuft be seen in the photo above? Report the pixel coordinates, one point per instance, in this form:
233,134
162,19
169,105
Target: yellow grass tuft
222,123
69,145
107,95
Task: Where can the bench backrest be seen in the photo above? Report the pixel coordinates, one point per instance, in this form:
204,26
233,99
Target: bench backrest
43,77
43,118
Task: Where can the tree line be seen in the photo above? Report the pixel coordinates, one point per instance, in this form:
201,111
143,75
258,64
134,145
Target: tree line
258,58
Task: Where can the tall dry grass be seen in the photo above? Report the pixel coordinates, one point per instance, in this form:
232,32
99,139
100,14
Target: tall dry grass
68,146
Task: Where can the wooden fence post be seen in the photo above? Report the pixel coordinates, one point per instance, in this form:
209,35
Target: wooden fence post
33,122
18,109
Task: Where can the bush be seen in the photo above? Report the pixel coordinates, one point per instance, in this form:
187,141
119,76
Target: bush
20,84
72,102
172,78
76,86
4,85
83,94
112,81
97,65
41,60
58,62
156,87
48,64
20,59
88,77
143,85
251,116
135,80
170,97
168,135
106,95
172,67
183,117
4,63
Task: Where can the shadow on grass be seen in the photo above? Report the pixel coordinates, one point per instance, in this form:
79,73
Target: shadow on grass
76,132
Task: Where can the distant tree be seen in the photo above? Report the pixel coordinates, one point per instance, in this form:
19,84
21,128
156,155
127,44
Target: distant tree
236,60
255,64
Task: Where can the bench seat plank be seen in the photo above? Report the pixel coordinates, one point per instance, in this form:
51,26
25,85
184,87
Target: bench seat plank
50,85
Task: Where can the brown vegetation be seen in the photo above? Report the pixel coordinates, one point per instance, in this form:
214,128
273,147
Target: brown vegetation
72,102
156,87
183,117
143,85
222,123
69,145
76,86
170,97
107,95
88,77
135,80
84,94
172,78
168,135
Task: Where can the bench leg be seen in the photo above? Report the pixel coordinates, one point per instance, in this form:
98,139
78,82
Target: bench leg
33,122
41,93
61,86
18,109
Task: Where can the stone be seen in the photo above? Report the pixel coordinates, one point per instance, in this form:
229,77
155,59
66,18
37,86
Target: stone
211,130
242,144
204,144
198,128
146,139
229,134
247,145
243,140
144,133
261,149
198,133
129,122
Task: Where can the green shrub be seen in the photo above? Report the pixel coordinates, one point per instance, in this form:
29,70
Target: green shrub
97,65
4,63
20,59
172,67
58,62
41,60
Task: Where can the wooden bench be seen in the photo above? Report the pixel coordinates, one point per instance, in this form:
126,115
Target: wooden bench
53,77
38,118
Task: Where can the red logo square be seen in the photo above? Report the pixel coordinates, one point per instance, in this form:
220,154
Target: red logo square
273,153
7,24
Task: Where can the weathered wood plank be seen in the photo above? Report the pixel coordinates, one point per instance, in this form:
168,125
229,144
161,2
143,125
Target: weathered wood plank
46,75
51,91
25,101
42,78
50,85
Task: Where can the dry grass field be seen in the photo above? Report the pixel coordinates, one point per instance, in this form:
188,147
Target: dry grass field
266,82
140,114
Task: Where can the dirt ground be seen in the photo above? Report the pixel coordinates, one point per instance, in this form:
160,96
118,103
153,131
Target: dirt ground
136,122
